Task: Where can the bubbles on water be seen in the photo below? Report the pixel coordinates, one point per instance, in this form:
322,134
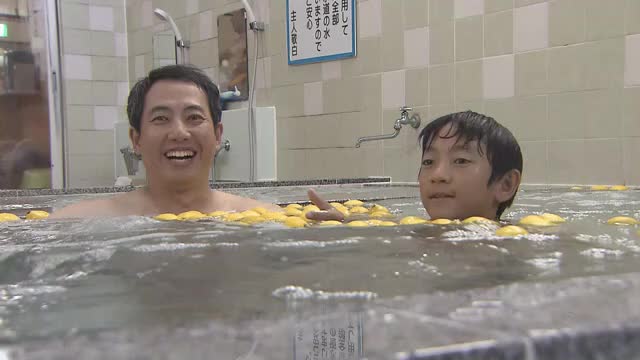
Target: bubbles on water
226,245
545,263
292,292
169,247
598,253
310,244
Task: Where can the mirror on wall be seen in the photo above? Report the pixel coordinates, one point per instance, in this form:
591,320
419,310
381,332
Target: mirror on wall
232,54
164,48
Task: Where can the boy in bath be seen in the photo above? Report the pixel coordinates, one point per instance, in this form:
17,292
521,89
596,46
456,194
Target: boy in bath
471,166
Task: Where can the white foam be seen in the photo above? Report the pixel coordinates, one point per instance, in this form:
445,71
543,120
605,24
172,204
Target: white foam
598,253
311,243
292,292
169,247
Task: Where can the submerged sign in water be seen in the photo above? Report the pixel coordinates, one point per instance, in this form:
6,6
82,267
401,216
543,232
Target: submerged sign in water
320,30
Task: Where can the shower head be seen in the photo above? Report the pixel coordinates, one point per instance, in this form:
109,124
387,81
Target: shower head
250,16
163,15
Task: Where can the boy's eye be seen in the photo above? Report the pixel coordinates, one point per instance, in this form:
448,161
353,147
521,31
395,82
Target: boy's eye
427,162
461,161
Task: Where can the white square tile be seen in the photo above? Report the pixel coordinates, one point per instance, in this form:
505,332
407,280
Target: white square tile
632,60
370,18
101,18
531,27
123,93
192,7
147,13
331,70
464,8
78,67
393,89
121,45
140,71
416,47
206,25
498,77
104,117
313,101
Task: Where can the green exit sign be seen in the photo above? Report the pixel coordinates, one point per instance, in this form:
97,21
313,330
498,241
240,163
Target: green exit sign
3,30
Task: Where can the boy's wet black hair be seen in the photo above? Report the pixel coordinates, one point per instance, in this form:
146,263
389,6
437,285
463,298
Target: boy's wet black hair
186,73
502,149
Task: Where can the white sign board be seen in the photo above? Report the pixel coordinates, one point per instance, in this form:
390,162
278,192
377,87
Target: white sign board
320,30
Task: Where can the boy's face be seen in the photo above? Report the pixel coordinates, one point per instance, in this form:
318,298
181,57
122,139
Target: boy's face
453,180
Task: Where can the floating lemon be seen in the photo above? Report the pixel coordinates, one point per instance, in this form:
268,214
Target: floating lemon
619,188
535,220
252,220
290,211
600,187
476,219
553,218
352,203
337,205
308,208
37,215
622,220
344,212
511,230
191,215
374,222
247,213
217,214
233,217
8,217
380,214
295,222
260,210
441,221
412,220
359,210
167,217
378,208
294,206
388,223
275,216
330,223
358,223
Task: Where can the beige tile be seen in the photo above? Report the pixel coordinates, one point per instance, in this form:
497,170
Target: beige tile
498,74
121,69
534,166
103,68
79,117
531,27
393,89
441,83
605,19
632,17
416,13
105,92
401,163
631,112
469,41
368,160
468,83
531,73
604,64
567,116
350,127
417,87
91,142
521,3
76,41
441,42
368,60
440,10
292,164
491,6
278,38
630,151
103,43
466,8
78,92
607,154
531,122
567,22
204,54
436,111
75,16
321,130
289,100
291,133
119,19
370,18
475,106
567,162
140,42
498,33
567,68
392,50
502,110
313,101
603,114
305,73
632,60
341,96
370,92
416,47
90,170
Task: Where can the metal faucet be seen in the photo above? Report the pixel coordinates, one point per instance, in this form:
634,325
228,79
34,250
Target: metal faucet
226,145
405,119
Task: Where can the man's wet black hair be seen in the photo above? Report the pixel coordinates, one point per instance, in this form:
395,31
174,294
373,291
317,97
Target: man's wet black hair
502,149
186,73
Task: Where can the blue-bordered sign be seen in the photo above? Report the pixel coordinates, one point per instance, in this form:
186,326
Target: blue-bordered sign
320,30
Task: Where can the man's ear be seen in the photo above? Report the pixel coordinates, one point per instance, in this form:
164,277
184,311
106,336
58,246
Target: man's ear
134,136
507,186
218,131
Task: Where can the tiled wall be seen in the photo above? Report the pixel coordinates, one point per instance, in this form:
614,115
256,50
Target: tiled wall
94,51
563,75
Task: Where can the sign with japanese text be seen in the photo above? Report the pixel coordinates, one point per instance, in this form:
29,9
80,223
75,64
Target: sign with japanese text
320,30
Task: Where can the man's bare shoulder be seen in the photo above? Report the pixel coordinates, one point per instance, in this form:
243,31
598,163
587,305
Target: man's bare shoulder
116,205
240,203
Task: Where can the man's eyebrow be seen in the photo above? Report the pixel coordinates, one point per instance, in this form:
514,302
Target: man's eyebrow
159,108
194,107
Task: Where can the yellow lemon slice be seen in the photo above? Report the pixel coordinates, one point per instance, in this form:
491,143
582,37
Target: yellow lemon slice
359,210
292,212
352,203
441,221
250,213
217,214
553,218
260,210
619,188
378,208
576,188
275,216
600,187
295,222
622,220
358,223
294,206
387,223
535,220
330,223
233,217
167,217
191,215
511,230
380,215
37,215
412,220
8,217
252,220
476,219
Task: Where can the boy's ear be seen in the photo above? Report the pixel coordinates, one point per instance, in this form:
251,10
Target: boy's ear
507,186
